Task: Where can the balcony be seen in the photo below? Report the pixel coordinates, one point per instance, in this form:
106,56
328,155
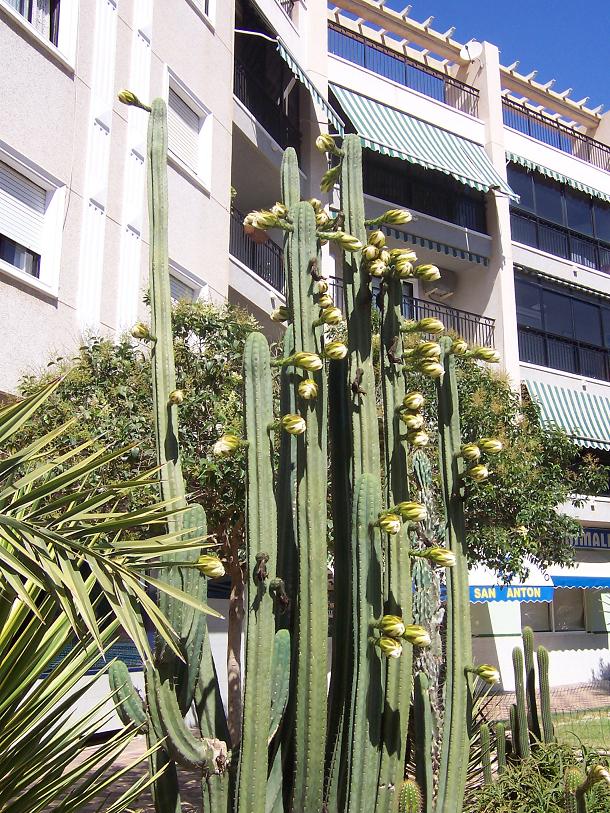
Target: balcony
253,94
265,259
401,69
558,353
557,135
560,241
476,330
288,6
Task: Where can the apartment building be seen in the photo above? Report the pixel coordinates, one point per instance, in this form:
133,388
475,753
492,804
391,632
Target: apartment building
507,178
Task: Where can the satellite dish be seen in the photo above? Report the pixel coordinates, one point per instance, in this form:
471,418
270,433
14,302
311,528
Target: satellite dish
471,51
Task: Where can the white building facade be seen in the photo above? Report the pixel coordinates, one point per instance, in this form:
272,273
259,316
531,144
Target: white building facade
509,182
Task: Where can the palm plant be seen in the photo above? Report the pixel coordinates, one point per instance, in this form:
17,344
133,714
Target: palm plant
71,575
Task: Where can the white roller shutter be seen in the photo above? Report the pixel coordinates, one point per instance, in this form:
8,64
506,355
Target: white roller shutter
180,290
182,130
22,208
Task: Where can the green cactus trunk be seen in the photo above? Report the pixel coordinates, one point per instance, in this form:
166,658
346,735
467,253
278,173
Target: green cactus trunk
501,747
530,682
485,753
261,563
423,741
545,695
456,722
523,738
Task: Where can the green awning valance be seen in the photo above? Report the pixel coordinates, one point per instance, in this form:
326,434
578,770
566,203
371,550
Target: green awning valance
583,415
394,133
435,245
300,74
512,158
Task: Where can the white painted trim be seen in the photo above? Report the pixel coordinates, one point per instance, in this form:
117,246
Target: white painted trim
202,177
561,261
8,270
262,282
65,52
208,19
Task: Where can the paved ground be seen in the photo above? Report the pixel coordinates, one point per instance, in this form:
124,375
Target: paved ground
568,698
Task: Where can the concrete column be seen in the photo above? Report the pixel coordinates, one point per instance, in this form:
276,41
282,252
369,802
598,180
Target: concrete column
496,294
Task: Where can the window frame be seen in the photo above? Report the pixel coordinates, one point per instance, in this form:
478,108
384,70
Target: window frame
47,281
551,614
202,175
64,51
206,9
200,288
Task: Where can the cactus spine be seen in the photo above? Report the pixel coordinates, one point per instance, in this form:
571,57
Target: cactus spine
572,780
409,798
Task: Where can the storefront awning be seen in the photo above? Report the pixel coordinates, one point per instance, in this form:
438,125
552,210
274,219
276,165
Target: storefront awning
484,587
300,74
435,245
512,158
394,133
595,582
583,415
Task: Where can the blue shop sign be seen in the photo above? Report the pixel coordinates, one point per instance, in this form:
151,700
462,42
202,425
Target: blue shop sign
592,539
511,592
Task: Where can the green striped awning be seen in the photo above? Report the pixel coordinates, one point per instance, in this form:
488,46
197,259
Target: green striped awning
394,133
435,245
583,415
512,158
300,74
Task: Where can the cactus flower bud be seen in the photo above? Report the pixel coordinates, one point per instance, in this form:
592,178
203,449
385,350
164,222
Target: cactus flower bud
488,673
321,286
416,635
279,210
226,445
127,97
384,256
377,238
280,314
440,556
427,273
470,452
307,361
396,217
430,325
316,203
140,331
403,255
598,774
404,269
412,420
486,354
322,219
348,242
370,253
329,179
428,350
294,424
432,369
478,473
490,445
332,316
325,301
412,511
392,625
308,389
175,398
377,268
413,400
389,647
335,350
390,524
459,347
325,143
418,438
211,566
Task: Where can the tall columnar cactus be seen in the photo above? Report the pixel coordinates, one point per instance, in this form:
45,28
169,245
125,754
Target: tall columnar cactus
545,695
523,733
293,756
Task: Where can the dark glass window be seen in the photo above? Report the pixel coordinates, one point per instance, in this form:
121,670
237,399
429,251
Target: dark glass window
529,310
522,184
587,323
578,209
20,257
602,221
557,313
549,203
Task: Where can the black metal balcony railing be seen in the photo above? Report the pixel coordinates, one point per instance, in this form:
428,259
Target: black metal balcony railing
266,110
477,330
555,134
287,5
401,69
559,241
265,259
559,353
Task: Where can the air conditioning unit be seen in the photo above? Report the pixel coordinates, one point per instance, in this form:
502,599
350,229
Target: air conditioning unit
441,289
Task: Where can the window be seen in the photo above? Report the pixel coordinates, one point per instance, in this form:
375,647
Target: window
566,613
189,131
42,14
579,214
22,211
562,330
549,203
521,183
180,290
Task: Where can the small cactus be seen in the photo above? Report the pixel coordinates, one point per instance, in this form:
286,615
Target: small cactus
409,799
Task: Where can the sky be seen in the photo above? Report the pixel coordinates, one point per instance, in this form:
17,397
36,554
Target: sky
563,40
